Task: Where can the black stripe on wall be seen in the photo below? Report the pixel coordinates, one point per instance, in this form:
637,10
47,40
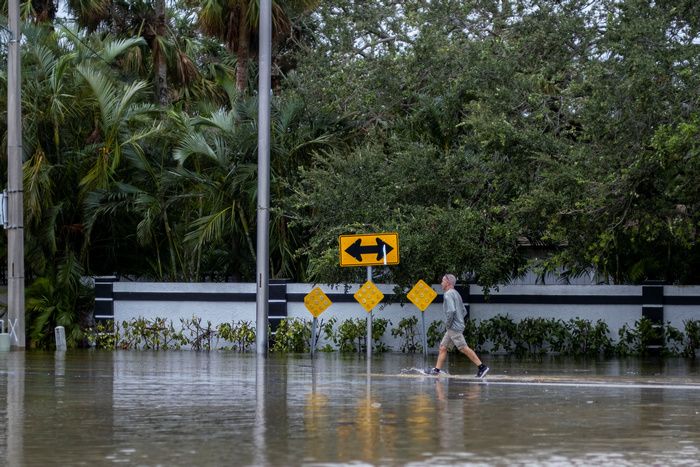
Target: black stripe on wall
185,297
473,298
559,299
681,300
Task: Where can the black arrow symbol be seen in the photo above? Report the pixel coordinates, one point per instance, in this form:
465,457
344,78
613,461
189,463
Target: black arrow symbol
356,250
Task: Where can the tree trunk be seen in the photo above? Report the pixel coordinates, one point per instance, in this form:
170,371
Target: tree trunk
242,51
159,65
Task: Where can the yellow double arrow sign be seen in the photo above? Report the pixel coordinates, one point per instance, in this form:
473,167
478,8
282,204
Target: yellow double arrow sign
369,249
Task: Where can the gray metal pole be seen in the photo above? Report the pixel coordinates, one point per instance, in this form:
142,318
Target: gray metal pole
314,324
424,335
263,218
369,320
15,198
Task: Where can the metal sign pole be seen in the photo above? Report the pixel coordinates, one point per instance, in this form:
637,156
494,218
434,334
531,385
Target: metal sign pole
316,302
313,336
422,295
369,320
425,336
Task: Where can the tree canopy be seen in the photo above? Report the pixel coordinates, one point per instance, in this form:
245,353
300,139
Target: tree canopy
495,136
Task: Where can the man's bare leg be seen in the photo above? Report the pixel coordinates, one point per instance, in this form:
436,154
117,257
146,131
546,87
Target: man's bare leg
466,350
442,355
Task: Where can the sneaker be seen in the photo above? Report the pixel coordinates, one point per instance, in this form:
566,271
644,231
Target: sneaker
483,369
433,371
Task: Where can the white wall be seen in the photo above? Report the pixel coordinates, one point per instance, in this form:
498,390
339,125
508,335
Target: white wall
615,315
216,312
677,314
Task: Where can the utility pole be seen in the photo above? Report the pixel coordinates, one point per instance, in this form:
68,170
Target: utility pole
15,198
263,211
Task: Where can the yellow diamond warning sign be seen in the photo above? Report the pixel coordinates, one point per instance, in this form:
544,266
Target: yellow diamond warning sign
368,296
317,302
369,249
422,295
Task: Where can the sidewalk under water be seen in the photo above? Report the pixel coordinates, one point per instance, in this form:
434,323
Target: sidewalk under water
223,408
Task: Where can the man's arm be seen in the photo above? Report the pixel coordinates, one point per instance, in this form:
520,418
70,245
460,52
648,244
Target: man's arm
450,310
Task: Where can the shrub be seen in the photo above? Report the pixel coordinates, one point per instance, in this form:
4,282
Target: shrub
103,335
407,331
636,340
692,332
435,332
500,331
537,336
240,334
586,339
144,334
200,337
292,335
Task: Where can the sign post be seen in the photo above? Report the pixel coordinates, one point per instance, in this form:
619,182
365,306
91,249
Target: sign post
369,250
316,302
369,296
369,319
422,295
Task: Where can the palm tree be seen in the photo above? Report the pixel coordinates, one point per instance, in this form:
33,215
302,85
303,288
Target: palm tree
59,299
121,122
215,165
217,158
53,116
149,20
236,23
154,203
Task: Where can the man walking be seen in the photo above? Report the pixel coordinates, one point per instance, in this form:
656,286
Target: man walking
454,322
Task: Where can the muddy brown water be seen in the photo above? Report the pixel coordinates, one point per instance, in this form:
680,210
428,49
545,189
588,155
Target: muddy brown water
222,408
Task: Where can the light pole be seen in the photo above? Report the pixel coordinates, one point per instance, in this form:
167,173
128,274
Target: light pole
263,211
15,198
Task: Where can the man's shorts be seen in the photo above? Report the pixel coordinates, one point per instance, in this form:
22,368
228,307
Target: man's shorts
453,339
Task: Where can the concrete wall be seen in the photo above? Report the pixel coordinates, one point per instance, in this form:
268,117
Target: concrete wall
611,304
681,304
232,302
215,302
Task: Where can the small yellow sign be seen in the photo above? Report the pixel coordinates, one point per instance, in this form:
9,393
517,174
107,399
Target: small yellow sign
368,296
369,249
317,302
422,295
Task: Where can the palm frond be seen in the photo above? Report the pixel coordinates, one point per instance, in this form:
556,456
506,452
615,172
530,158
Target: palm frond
127,107
104,91
101,202
116,47
221,119
46,59
69,272
38,185
209,227
193,144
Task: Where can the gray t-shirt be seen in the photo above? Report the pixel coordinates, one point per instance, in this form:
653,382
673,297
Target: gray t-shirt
454,310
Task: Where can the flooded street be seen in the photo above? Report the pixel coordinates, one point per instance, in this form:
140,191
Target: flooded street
222,408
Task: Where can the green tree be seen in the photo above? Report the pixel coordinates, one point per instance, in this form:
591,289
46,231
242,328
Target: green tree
59,299
236,24
217,163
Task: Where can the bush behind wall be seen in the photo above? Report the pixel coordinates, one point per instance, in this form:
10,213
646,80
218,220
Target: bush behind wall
498,335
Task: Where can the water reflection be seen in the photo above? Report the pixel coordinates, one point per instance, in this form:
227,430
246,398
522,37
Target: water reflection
13,409
189,408
260,412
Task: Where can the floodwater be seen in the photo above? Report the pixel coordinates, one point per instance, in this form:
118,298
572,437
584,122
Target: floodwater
223,408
